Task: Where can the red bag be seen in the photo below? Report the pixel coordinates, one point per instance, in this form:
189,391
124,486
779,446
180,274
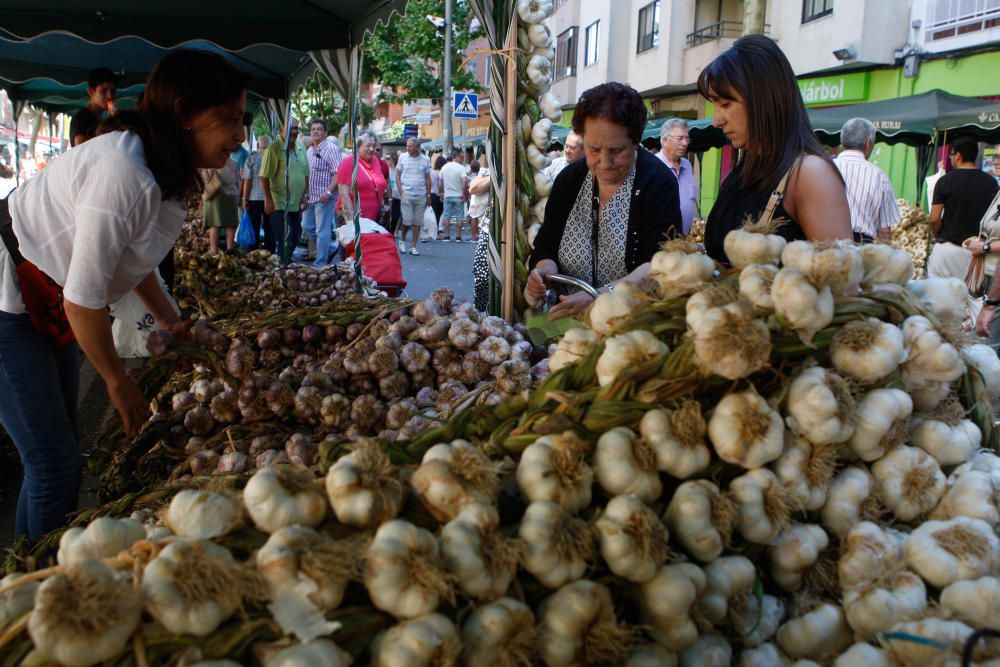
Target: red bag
379,259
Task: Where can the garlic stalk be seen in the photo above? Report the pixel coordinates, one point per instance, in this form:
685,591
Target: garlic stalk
633,540
364,488
554,468
626,464
404,572
203,514
282,496
103,538
502,633
477,554
578,627
558,546
453,476
427,641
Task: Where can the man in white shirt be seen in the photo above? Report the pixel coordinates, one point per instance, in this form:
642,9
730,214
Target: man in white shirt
455,194
869,192
572,153
413,176
674,142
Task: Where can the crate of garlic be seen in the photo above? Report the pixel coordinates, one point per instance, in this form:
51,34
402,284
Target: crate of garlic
779,466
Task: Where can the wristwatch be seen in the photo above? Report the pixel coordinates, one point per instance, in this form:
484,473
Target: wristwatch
986,248
991,302
329,192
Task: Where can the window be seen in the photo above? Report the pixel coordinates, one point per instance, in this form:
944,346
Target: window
948,18
649,27
566,54
591,43
813,9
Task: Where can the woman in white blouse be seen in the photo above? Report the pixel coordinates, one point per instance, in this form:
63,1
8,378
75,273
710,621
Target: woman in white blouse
97,222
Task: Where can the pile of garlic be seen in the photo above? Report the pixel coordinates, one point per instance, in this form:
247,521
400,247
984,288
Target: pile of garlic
912,234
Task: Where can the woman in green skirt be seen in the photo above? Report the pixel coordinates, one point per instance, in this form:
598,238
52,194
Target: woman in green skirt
222,189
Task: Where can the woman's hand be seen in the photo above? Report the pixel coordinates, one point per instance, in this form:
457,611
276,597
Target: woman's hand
538,278
570,305
131,405
986,315
976,246
180,328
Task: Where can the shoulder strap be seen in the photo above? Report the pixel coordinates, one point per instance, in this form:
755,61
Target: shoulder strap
776,196
7,232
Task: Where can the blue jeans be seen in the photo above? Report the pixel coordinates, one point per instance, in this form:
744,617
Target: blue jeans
39,385
317,224
277,223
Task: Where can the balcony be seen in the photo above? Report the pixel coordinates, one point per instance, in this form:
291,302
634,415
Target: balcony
719,30
950,18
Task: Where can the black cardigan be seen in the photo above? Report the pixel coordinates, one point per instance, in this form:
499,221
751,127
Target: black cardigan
654,214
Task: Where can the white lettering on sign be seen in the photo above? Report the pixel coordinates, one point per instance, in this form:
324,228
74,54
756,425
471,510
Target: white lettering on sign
887,124
989,117
822,91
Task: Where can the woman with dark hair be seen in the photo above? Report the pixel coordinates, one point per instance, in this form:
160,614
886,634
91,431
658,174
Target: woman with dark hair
437,192
782,166
608,213
97,222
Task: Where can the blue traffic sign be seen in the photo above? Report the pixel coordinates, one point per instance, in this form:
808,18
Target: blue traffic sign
466,105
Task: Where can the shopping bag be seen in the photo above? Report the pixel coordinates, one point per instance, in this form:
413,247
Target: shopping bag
428,228
133,324
245,237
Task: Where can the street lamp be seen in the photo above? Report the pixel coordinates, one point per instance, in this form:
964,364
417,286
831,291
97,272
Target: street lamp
446,25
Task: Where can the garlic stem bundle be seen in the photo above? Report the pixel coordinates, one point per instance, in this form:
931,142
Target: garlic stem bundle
282,496
203,514
633,540
364,488
626,464
558,546
554,468
678,438
453,476
427,641
404,572
102,538
83,615
578,627
501,633
482,560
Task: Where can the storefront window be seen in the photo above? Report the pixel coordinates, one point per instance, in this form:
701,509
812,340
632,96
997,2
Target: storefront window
649,27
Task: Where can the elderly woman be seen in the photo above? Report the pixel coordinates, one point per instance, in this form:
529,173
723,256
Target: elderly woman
783,172
608,213
372,182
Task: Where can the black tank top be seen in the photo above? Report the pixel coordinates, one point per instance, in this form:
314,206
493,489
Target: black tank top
731,209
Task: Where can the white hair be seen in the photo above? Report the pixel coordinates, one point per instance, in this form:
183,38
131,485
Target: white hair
671,123
856,133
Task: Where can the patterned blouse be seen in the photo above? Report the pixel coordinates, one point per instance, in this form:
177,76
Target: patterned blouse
575,248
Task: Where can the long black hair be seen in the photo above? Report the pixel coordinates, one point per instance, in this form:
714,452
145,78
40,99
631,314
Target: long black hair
755,71
183,83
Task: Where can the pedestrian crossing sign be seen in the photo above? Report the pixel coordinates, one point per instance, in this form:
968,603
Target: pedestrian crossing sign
466,105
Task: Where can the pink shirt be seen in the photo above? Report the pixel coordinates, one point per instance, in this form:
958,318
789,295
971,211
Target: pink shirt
371,185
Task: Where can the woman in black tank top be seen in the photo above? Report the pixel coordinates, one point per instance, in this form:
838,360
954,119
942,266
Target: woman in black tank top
759,108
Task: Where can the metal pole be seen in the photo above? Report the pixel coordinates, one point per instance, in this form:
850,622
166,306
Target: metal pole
753,17
446,111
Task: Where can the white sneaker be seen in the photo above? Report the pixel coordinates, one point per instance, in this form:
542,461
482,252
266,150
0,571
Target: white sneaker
402,247
414,251
445,239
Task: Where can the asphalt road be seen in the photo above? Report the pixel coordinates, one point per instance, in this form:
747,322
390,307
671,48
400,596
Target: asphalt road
440,264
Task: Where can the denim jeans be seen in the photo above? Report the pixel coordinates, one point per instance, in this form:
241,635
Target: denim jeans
39,385
317,225
277,223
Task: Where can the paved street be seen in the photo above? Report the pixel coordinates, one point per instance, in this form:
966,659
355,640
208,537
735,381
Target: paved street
439,265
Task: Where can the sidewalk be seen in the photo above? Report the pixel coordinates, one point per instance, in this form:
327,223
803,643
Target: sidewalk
439,264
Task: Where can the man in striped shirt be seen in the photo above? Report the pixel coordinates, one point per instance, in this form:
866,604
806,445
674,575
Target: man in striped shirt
321,199
869,192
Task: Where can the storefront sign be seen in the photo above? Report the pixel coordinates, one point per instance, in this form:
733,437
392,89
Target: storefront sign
418,111
832,90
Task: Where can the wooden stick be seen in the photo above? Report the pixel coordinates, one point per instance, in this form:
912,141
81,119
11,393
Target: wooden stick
510,177
32,576
14,630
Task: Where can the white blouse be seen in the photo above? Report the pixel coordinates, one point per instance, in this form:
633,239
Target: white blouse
94,221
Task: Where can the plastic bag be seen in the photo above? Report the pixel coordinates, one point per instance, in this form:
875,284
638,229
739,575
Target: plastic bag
133,324
244,233
428,230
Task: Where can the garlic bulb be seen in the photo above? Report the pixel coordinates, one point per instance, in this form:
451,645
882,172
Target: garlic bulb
870,555
942,552
731,343
577,626
316,653
651,655
364,488
626,464
427,641
929,358
805,308
554,468
627,351
666,602
745,430
726,579
192,586
943,642
949,439
557,545
103,538
761,505
404,574
755,285
973,493
756,620
83,615
477,554
868,349
805,470
452,476
612,309
502,633
794,552
820,407
819,633
875,610
18,601
710,650
885,264
850,497
976,601
633,540
282,496
946,298
748,246
573,347
837,264
910,481
985,360
930,395
701,518
203,514
865,655
678,439
706,300
676,270
765,655
306,573
880,422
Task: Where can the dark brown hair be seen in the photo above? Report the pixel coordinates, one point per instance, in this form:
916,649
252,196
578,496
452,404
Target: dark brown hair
966,148
755,71
614,102
183,83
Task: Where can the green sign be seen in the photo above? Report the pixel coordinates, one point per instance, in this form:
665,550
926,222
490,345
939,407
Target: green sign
831,90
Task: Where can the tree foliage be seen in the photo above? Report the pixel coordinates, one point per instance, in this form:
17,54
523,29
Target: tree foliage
407,55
